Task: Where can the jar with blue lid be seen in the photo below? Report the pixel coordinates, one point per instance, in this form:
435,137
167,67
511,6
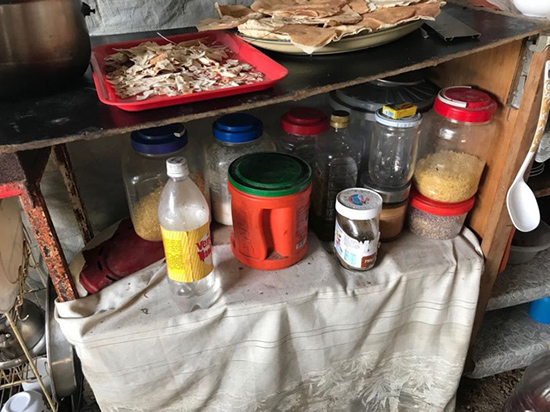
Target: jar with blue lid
234,135
144,173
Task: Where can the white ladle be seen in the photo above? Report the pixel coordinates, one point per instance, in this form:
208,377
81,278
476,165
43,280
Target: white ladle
521,201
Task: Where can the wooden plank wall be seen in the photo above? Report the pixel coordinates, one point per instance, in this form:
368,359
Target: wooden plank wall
496,71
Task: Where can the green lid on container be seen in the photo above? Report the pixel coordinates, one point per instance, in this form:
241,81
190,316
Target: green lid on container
269,174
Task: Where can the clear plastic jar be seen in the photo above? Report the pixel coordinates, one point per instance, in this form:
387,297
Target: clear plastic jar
364,100
301,128
457,137
144,173
235,135
533,392
394,208
437,220
337,162
394,146
356,233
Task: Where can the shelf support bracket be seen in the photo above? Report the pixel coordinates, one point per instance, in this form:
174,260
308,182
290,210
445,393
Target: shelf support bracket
538,45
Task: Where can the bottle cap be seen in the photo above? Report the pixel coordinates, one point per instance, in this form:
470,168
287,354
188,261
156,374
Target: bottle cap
160,140
237,128
177,167
358,204
339,119
465,104
304,121
403,123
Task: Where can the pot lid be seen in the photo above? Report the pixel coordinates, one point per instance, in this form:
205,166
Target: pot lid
370,97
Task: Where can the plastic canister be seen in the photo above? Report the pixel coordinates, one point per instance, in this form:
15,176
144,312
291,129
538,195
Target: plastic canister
269,203
457,139
301,128
437,220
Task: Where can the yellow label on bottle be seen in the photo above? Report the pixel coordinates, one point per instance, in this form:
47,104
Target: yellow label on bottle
188,254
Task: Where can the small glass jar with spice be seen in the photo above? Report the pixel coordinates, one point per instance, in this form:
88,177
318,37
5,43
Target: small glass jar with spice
357,232
394,207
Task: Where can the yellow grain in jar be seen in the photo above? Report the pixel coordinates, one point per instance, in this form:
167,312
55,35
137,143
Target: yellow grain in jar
448,176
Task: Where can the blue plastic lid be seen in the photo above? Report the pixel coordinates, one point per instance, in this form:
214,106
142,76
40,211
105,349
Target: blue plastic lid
160,140
237,128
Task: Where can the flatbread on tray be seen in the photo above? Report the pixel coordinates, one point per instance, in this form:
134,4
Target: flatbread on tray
299,8
308,38
312,24
345,16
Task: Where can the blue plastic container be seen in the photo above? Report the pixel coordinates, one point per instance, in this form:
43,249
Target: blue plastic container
539,310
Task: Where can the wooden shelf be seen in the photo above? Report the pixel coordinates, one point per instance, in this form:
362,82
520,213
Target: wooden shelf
541,183
76,113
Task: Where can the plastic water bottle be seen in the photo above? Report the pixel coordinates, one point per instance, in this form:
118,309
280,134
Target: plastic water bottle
533,393
184,218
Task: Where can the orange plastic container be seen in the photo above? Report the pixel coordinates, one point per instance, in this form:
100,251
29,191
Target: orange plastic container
270,204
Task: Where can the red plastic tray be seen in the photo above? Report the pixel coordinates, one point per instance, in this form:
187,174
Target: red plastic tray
244,52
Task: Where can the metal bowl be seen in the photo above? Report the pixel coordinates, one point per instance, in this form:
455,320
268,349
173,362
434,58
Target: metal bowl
31,324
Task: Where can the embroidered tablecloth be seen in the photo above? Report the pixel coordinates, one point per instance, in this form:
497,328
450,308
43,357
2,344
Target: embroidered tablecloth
313,337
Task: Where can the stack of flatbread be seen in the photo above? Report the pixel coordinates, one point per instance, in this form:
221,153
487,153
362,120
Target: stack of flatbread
312,24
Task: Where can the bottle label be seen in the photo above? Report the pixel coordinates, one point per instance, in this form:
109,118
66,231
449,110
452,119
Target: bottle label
188,254
360,255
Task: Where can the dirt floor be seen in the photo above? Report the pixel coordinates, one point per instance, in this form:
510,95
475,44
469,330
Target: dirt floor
486,395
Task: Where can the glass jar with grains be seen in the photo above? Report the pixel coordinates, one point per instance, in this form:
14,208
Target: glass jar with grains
457,137
394,207
235,135
144,173
356,234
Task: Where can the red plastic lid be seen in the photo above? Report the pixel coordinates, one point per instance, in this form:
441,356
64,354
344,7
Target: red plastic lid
464,104
304,121
438,208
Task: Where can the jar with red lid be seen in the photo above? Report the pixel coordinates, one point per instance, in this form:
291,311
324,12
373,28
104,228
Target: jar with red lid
456,141
437,220
301,126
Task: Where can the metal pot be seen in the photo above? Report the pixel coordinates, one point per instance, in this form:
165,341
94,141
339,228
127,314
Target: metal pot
43,43
31,325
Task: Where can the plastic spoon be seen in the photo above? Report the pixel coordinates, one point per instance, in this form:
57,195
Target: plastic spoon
521,201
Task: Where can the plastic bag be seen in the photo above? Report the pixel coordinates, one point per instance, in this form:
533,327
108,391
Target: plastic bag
533,392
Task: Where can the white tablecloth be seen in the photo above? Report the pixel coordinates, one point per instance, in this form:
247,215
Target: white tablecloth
313,337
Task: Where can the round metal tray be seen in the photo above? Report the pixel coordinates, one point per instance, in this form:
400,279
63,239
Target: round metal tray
347,44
